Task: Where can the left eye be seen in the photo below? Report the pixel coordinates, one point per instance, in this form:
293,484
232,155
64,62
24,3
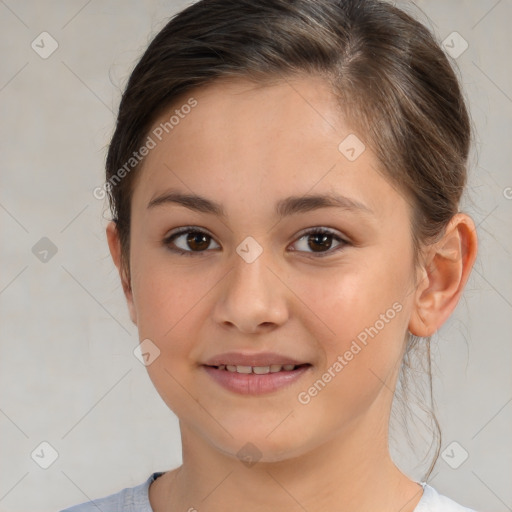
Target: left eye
320,241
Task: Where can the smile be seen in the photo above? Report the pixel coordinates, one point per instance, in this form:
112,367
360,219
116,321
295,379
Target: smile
254,380
259,370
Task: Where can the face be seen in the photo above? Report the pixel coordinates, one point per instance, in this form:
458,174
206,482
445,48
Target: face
257,240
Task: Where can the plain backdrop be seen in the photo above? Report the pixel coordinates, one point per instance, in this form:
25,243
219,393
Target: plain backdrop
68,374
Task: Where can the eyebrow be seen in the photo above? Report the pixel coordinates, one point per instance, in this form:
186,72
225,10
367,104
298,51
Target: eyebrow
285,207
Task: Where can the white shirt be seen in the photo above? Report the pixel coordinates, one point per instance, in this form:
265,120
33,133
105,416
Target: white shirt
136,499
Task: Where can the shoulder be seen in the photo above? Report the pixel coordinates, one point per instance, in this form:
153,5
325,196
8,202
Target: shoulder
129,499
432,501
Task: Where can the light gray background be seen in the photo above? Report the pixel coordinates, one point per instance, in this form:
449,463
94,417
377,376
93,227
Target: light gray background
68,375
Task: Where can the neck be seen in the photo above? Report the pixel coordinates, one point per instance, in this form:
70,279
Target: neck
351,471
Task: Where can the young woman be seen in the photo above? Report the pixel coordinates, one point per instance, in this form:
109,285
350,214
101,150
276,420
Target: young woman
284,180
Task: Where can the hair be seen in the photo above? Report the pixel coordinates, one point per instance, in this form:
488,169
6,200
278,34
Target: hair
394,84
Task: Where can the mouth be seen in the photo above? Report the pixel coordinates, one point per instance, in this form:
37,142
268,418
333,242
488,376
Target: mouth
256,380
258,370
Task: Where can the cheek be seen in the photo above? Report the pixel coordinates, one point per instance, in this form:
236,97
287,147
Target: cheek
168,313
342,303
174,304
362,356
165,299
358,313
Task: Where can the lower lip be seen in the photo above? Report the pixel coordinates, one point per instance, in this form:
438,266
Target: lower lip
252,383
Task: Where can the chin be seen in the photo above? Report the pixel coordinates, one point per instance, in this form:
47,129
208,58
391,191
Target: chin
258,443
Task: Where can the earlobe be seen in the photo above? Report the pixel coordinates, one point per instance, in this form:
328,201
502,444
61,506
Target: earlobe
448,265
114,245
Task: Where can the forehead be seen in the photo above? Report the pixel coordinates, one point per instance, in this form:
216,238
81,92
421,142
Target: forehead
248,141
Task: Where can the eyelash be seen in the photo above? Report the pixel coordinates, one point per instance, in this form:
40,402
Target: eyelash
314,231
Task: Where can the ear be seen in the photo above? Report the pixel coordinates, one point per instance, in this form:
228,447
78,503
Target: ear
444,275
114,245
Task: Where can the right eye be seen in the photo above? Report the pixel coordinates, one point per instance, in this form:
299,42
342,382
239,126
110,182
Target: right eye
188,241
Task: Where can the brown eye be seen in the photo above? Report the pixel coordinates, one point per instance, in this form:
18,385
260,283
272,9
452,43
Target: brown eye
198,241
320,241
189,241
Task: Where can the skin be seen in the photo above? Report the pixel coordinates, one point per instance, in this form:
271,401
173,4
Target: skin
248,147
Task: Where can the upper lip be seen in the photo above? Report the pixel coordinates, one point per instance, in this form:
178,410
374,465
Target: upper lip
259,359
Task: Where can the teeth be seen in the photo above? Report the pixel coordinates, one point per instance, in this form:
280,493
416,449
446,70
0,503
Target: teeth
244,369
259,370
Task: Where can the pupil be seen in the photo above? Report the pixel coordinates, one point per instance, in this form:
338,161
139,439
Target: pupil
319,238
197,241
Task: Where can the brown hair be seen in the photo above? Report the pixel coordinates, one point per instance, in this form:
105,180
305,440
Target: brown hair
394,84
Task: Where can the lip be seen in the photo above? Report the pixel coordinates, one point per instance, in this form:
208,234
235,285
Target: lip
255,384
254,359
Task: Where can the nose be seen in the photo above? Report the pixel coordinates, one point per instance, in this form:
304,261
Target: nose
251,298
